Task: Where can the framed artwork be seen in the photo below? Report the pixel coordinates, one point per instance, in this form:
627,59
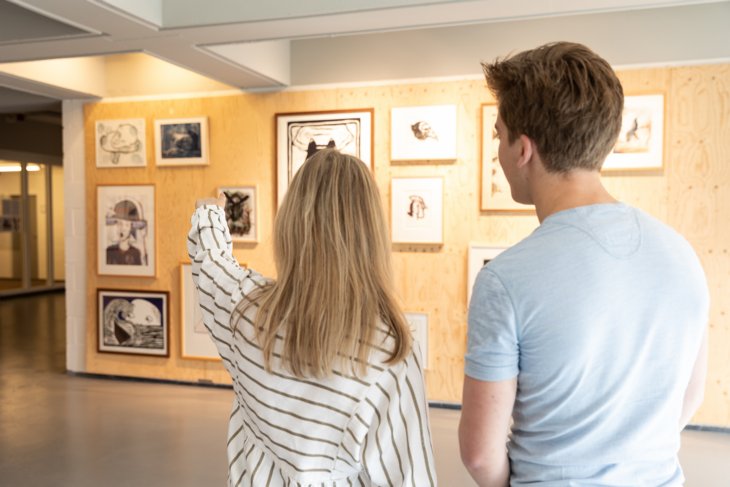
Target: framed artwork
417,210
423,133
301,135
479,256
241,212
418,322
121,143
195,338
495,192
641,140
126,230
181,141
133,322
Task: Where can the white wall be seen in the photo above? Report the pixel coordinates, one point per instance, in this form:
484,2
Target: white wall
75,232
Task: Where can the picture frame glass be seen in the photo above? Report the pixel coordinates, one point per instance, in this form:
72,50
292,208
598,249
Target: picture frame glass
418,323
241,212
479,256
121,143
126,237
181,141
196,340
423,133
496,194
133,322
417,210
301,135
640,144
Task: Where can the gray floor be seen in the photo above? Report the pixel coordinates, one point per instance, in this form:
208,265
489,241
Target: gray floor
63,430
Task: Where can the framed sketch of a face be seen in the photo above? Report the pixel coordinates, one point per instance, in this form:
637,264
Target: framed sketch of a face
423,133
196,340
133,322
640,142
126,230
479,256
121,143
417,210
301,135
495,190
181,141
241,212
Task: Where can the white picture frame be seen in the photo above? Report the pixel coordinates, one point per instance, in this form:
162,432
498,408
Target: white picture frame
479,255
418,323
417,212
181,141
422,133
126,235
133,322
299,135
196,342
495,194
121,143
241,212
640,144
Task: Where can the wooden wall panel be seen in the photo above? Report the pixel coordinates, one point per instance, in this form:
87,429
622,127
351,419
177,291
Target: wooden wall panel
690,193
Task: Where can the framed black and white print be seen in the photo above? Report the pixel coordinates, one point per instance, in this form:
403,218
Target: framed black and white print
495,194
133,322
195,337
181,141
121,143
301,135
479,256
241,214
126,230
423,133
417,210
640,143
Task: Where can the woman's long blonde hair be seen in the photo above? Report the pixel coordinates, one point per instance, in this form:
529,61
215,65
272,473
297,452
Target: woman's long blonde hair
334,285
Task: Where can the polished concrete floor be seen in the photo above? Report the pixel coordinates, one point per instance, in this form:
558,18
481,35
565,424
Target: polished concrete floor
63,430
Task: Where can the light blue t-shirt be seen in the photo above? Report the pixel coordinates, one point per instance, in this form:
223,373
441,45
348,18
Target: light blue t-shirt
599,313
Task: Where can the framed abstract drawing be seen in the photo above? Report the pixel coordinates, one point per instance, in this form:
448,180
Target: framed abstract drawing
195,337
133,322
495,191
641,140
479,256
126,230
121,143
423,133
241,212
417,214
418,323
301,135
181,141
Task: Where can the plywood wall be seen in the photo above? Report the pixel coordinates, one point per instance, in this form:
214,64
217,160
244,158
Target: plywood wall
690,193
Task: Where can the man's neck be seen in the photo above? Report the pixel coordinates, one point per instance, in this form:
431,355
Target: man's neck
554,192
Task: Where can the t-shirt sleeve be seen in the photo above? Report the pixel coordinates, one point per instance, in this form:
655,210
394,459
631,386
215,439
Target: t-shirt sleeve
492,352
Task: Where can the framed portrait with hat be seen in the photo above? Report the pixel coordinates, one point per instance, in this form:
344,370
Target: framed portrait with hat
126,230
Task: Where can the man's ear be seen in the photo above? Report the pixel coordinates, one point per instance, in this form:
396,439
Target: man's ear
527,149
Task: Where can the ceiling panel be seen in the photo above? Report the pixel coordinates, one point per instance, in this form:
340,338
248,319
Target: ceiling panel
21,25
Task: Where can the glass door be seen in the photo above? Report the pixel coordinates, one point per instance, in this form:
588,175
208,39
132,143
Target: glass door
31,232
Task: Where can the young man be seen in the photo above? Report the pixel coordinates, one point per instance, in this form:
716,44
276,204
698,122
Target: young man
587,337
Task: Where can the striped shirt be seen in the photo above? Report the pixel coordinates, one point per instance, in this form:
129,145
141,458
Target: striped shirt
342,430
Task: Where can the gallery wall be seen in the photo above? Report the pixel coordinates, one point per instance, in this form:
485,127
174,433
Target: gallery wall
689,193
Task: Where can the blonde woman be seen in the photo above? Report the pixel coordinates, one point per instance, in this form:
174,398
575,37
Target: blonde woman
328,388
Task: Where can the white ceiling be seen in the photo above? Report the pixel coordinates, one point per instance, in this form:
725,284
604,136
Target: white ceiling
238,44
